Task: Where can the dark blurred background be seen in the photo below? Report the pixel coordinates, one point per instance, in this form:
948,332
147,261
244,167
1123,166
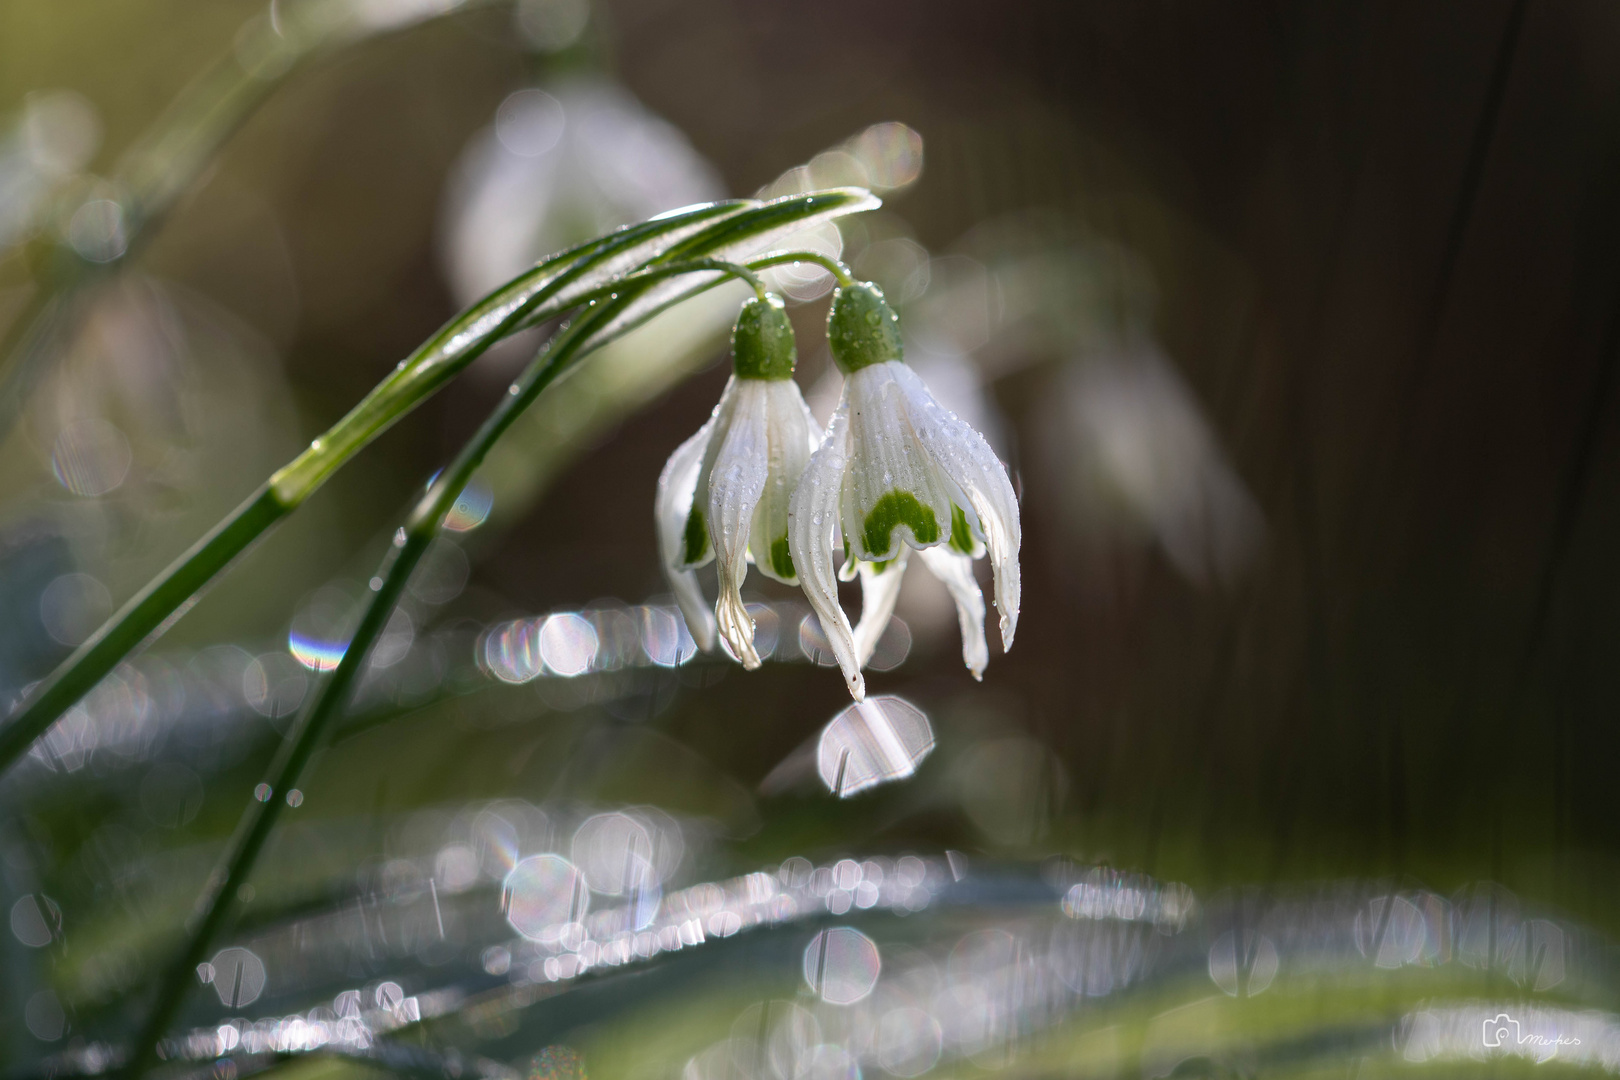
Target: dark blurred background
1296,324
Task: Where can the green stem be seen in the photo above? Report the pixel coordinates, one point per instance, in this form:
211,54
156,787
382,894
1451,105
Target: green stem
785,258
410,544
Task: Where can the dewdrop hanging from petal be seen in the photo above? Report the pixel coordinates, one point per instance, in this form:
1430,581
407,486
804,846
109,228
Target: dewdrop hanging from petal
897,472
724,493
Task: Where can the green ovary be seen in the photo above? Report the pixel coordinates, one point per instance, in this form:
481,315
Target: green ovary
697,538
899,508
782,559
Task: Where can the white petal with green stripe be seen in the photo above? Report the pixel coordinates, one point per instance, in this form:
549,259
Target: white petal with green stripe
893,494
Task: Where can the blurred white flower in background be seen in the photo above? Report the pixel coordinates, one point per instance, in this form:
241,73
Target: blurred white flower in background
558,166
1124,450
1128,445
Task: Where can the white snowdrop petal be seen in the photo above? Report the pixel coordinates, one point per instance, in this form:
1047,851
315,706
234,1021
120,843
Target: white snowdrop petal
962,455
671,507
813,431
880,589
894,493
812,520
740,461
724,413
955,572
791,435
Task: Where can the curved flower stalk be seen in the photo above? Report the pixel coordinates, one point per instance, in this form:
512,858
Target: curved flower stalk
724,494
897,471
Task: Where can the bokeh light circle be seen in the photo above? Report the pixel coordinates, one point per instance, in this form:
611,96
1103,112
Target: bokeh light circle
841,965
544,895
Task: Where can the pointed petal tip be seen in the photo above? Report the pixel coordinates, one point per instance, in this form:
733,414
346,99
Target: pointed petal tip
737,627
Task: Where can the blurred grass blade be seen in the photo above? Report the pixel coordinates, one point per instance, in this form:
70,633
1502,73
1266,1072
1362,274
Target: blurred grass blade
160,167
537,295
165,162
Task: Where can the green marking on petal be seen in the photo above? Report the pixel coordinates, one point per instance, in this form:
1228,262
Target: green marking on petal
879,567
961,534
895,509
782,558
697,538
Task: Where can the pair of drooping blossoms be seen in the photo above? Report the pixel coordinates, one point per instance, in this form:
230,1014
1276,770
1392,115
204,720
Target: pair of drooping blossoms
895,472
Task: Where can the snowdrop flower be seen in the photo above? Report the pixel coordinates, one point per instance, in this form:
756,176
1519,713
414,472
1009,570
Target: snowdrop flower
897,471
724,493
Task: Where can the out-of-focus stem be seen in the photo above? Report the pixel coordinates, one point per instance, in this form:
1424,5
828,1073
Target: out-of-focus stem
165,163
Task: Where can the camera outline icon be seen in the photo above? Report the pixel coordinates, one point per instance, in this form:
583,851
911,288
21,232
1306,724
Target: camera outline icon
1498,1026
